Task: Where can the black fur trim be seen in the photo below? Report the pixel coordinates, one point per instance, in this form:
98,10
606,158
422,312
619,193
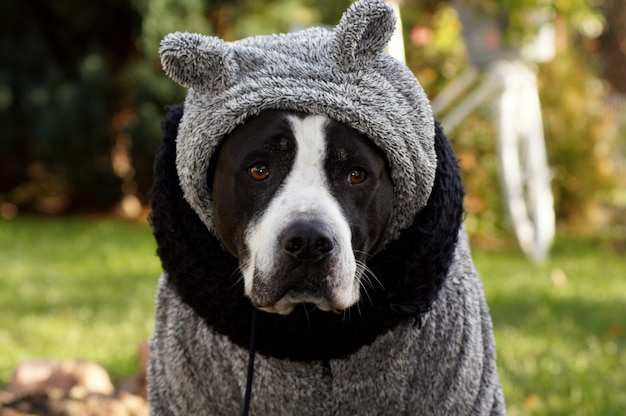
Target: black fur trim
411,269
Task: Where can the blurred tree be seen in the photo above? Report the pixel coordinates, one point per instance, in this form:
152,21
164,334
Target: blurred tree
58,61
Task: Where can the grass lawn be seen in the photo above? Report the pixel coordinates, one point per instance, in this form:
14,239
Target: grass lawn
75,289
85,289
560,329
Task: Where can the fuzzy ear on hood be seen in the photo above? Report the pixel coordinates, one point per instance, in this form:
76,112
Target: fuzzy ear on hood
362,34
199,62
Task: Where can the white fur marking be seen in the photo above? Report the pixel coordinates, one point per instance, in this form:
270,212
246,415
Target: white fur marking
304,195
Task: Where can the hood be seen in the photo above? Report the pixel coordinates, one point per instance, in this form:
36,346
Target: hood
344,74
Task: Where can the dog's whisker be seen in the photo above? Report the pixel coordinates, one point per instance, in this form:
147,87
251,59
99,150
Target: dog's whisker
363,278
238,271
306,313
239,281
235,284
361,252
367,274
243,264
369,298
358,308
371,275
347,315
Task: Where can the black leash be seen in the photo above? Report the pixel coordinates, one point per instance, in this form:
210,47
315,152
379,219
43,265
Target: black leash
248,397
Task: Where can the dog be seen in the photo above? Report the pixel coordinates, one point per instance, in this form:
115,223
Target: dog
308,212
302,201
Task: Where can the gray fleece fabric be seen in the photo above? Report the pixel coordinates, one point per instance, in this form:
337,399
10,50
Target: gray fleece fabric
446,367
441,364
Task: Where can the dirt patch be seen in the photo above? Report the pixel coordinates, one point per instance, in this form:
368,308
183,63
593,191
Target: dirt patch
73,388
124,404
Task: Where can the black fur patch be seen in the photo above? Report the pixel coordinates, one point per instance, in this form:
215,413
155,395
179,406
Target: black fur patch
411,269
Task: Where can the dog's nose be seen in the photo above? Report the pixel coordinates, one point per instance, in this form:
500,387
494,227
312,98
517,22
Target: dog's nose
307,241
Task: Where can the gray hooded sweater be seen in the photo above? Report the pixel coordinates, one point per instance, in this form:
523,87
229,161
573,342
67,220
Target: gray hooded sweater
419,344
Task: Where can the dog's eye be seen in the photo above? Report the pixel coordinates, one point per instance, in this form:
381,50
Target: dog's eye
259,171
357,176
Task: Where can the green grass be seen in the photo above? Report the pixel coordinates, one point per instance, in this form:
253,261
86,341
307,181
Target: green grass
560,329
84,289
75,289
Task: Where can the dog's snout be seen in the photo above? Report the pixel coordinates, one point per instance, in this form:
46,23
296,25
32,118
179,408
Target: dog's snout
307,241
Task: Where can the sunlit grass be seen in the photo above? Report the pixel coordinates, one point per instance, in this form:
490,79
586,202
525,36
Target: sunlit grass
560,329
75,289
85,289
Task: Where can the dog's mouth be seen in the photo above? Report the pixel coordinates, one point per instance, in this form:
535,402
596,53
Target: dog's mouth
286,304
328,292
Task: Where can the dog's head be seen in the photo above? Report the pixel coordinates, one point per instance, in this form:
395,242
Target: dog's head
302,201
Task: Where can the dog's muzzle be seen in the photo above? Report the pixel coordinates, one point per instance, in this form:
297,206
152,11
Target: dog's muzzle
307,263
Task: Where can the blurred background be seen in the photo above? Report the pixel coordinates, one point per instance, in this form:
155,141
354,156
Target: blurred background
82,96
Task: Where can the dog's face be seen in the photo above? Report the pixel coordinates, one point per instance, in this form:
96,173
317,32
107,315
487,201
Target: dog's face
301,201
